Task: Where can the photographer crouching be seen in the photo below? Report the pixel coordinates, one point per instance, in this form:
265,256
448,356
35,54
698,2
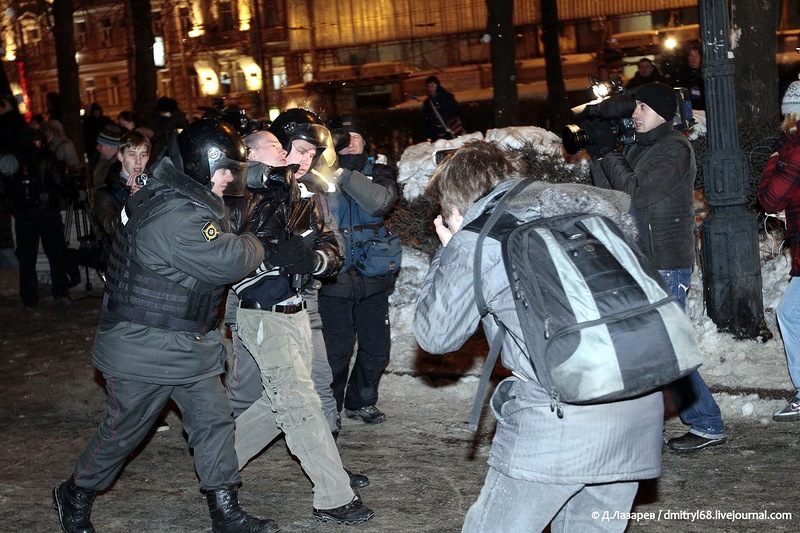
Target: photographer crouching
658,171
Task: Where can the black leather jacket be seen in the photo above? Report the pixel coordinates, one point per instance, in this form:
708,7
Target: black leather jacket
268,213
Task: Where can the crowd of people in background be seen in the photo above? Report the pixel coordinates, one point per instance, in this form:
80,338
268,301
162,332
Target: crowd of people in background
44,176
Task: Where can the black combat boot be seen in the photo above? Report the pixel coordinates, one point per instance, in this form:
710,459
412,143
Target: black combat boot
228,517
74,505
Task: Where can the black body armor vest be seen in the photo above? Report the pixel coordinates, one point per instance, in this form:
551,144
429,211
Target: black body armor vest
139,295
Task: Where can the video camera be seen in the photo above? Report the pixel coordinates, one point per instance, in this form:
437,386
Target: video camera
615,104
616,110
233,115
612,105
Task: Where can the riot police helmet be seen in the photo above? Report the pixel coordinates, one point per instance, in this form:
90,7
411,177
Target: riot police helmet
207,145
296,123
302,124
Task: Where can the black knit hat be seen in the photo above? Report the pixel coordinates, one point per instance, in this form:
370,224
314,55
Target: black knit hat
660,97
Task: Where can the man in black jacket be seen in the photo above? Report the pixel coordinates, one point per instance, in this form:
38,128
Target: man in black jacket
33,194
273,328
658,172
310,148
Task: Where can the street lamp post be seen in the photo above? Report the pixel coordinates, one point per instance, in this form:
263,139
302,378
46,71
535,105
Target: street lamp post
731,266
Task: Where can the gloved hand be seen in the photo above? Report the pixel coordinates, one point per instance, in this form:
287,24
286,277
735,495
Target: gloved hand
341,139
601,139
294,256
276,177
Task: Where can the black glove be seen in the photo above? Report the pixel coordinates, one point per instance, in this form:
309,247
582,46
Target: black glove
601,139
276,177
341,139
294,256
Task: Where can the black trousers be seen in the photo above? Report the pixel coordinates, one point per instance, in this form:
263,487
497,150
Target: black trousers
345,321
46,225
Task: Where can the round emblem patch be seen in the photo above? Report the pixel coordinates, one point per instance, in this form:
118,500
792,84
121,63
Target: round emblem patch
210,231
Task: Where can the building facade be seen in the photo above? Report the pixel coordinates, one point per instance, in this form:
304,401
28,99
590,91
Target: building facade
267,55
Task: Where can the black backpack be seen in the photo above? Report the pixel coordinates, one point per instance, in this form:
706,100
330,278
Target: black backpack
598,323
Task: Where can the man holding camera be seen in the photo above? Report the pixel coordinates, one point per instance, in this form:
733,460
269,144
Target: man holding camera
658,172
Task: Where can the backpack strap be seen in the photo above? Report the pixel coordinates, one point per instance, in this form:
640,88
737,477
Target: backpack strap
483,384
497,212
483,308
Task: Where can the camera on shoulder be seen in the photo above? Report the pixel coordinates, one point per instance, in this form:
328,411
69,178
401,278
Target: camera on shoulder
614,110
614,106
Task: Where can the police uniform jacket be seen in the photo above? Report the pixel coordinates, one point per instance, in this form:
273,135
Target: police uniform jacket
183,240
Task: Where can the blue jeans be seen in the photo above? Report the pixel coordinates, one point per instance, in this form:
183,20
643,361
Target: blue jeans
696,406
788,312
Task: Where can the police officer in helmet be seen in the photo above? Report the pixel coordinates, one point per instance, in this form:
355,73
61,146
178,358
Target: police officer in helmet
157,338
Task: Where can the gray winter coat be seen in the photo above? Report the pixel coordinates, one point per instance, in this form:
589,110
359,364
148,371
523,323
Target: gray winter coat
590,444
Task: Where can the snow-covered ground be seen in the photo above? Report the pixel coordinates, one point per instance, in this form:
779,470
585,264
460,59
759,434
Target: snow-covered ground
730,364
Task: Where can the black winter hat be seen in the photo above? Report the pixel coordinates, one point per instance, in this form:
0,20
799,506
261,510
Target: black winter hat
660,97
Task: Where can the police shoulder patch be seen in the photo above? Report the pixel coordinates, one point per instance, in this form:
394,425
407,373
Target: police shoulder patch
210,231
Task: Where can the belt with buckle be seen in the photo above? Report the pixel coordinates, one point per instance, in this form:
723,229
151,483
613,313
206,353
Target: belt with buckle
285,309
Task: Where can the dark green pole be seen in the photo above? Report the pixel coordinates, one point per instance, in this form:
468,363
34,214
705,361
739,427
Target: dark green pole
730,259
